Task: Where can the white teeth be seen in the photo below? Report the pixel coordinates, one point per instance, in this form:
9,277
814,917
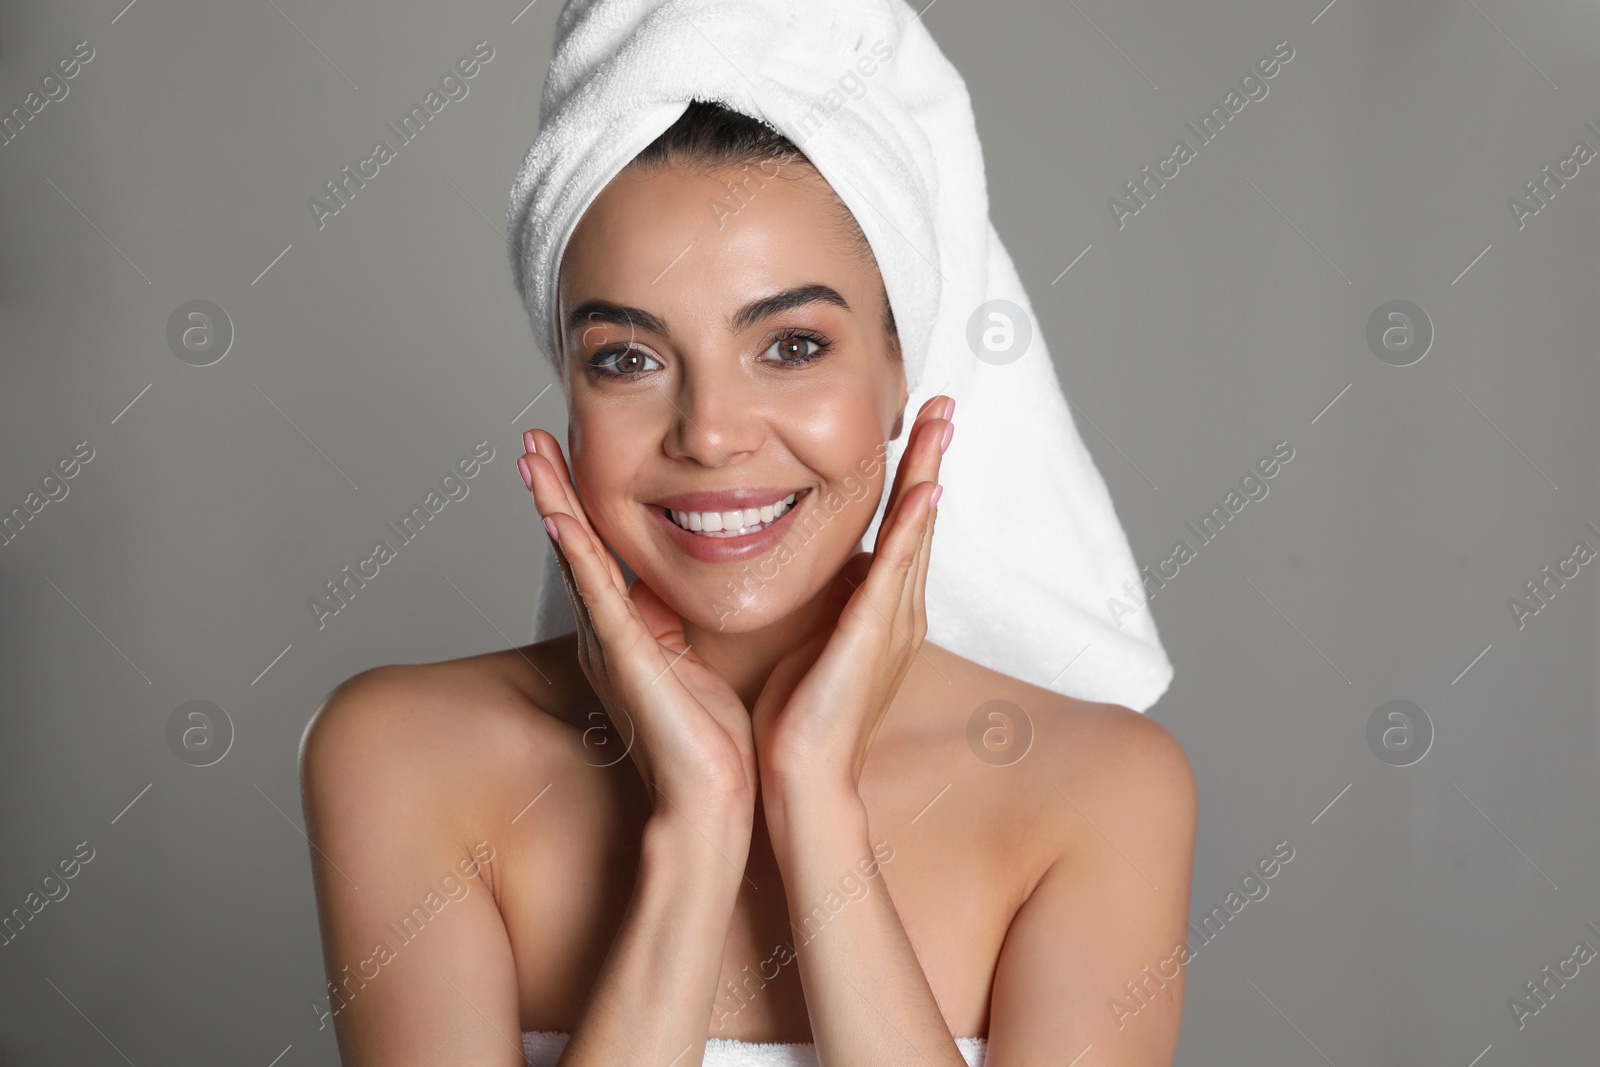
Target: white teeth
733,523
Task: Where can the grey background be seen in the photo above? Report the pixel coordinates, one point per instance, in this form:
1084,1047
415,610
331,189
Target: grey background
1225,317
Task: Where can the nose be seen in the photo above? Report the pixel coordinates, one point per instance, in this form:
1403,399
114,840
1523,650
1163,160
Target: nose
717,418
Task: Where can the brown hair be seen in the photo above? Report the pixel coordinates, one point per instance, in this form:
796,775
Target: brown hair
709,136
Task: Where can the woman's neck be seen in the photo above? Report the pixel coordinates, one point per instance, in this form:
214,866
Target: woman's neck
747,659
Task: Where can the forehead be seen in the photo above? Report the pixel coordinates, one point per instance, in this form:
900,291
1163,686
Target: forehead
711,237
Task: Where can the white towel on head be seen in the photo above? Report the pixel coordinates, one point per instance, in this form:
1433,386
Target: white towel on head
1028,549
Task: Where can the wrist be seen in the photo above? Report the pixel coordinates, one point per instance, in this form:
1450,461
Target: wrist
814,811
683,895
815,782
709,846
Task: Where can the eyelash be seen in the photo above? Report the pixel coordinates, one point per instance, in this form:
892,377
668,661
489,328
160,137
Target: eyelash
597,362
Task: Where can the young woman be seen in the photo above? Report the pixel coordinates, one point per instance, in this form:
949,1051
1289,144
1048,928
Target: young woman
731,811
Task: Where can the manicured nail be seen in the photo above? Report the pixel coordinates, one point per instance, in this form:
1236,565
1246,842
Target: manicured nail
950,412
949,432
527,475
938,491
528,443
550,528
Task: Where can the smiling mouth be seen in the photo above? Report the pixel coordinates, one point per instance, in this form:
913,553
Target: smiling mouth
737,523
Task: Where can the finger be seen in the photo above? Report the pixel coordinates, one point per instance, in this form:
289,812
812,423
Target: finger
909,592
921,463
551,500
938,406
553,492
919,582
892,563
609,612
924,451
548,449
913,439
590,645
549,495
664,624
851,577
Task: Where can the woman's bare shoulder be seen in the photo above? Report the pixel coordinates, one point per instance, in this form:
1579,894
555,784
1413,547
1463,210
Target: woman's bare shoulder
1124,790
1096,756
514,690
1092,725
460,729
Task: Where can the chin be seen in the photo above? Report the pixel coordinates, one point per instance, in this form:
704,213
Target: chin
738,598
743,584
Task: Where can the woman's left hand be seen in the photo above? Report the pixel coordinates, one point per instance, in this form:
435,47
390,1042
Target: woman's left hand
815,719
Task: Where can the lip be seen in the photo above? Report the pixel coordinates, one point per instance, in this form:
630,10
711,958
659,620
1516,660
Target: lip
726,549
724,499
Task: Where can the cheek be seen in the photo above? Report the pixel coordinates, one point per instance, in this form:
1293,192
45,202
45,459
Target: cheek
604,450
838,440
833,433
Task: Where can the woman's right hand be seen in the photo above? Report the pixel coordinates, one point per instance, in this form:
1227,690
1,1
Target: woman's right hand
689,731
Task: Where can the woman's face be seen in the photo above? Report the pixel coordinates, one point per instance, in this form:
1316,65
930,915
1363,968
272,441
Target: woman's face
724,353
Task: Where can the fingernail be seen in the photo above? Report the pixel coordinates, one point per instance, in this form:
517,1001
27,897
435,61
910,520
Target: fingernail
938,491
550,528
527,475
951,412
949,432
527,442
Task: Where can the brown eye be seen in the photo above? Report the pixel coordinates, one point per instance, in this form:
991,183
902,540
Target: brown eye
623,362
795,348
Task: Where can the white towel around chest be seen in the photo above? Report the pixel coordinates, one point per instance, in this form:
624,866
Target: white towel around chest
542,1048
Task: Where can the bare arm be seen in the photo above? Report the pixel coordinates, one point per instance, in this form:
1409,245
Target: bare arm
417,958
414,943
651,1004
866,993
1095,955
1094,958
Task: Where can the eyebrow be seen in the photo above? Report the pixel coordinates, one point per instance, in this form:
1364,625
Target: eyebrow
593,311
